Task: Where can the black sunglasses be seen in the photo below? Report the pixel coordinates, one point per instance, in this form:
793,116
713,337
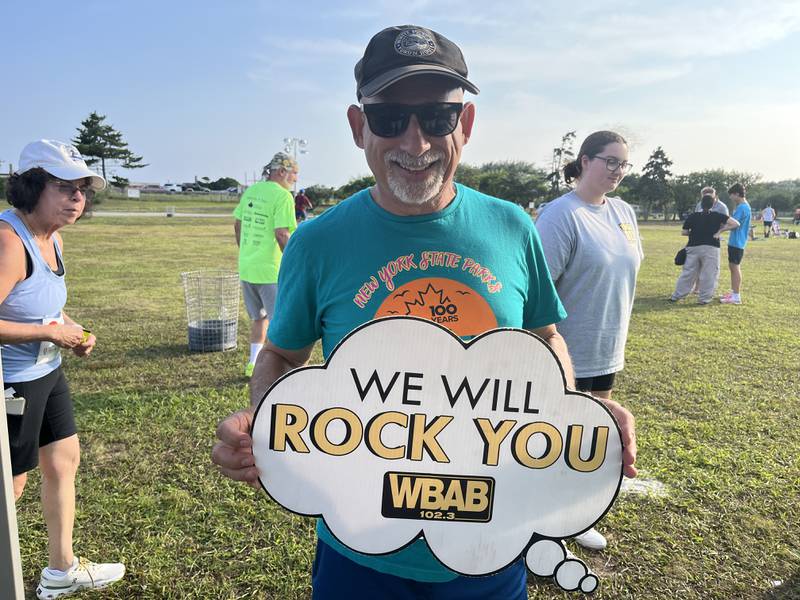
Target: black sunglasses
436,119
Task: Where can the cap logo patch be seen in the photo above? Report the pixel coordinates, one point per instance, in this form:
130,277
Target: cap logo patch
73,153
415,42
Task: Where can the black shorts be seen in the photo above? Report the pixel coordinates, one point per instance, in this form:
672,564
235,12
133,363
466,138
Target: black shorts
735,255
600,383
47,418
767,223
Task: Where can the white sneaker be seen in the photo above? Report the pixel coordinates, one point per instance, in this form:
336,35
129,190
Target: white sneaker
592,540
82,575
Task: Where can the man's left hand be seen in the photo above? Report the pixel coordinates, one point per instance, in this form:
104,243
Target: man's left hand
627,426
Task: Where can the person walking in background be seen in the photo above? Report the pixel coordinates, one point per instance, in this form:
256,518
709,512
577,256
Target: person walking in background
737,240
718,207
264,221
302,204
50,190
702,252
768,216
593,249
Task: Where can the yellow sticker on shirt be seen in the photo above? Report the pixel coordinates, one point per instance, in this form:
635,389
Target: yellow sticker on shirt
629,232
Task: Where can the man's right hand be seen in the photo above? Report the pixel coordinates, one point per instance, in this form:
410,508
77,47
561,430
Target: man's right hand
233,453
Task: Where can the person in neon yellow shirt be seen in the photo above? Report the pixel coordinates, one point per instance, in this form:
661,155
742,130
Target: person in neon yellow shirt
264,221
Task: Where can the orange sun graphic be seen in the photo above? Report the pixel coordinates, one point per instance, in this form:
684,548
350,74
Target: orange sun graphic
447,302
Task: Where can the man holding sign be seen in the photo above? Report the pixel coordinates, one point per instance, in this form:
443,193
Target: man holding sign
415,244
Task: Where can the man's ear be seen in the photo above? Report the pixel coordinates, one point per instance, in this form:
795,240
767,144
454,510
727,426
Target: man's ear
356,117
467,120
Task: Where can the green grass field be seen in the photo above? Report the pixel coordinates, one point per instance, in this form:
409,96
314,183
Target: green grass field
186,203
715,389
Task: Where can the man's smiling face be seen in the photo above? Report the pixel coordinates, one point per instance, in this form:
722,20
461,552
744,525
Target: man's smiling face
414,171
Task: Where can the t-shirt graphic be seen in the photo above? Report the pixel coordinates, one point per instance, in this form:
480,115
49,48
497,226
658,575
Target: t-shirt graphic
445,301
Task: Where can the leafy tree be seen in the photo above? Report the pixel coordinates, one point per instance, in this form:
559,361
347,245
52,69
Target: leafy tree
353,186
120,182
628,189
720,180
782,195
654,187
468,175
100,142
320,194
517,181
561,156
223,183
685,195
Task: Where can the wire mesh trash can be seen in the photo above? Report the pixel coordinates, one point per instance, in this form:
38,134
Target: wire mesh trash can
212,309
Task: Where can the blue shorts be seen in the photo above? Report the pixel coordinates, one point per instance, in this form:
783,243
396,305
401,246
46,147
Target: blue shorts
336,577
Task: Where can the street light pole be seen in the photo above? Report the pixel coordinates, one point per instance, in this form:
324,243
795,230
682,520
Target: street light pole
295,146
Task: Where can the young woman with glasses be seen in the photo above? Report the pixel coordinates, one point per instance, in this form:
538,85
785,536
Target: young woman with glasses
593,249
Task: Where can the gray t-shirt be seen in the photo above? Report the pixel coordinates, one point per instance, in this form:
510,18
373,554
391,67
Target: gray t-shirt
594,253
718,206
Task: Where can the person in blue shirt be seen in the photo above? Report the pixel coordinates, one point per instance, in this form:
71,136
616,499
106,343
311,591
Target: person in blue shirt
415,231
736,242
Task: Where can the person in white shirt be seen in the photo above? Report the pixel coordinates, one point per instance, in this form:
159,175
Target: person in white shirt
768,216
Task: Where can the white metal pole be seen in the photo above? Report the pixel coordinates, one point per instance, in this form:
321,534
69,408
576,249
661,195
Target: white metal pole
10,561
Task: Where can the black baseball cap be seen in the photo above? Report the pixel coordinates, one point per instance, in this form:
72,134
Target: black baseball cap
399,52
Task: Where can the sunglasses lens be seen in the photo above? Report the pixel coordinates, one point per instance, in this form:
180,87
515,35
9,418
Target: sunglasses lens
439,120
386,121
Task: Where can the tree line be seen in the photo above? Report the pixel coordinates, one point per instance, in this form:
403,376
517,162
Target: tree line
656,190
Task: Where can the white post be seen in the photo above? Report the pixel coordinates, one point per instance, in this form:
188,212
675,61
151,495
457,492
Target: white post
10,561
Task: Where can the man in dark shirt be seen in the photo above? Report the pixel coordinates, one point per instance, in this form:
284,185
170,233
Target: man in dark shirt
302,204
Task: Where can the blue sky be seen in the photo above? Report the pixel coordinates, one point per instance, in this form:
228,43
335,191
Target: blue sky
211,89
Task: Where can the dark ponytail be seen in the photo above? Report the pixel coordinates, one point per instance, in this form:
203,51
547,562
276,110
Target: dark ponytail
572,170
591,147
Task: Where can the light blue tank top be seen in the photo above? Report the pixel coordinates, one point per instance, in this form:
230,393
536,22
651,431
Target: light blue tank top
37,299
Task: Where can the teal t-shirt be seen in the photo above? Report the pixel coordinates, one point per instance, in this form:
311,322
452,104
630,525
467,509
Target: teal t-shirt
264,207
473,266
738,237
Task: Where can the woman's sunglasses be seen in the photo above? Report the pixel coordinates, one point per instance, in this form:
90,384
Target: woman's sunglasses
436,119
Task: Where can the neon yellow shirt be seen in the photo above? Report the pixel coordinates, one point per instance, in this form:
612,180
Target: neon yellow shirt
265,206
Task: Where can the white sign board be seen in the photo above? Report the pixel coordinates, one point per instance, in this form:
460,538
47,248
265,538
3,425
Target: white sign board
408,431
133,193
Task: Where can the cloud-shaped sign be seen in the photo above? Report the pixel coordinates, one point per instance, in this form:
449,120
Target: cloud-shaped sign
408,431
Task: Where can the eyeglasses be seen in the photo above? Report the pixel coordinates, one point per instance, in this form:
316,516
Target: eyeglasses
68,189
436,119
612,164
